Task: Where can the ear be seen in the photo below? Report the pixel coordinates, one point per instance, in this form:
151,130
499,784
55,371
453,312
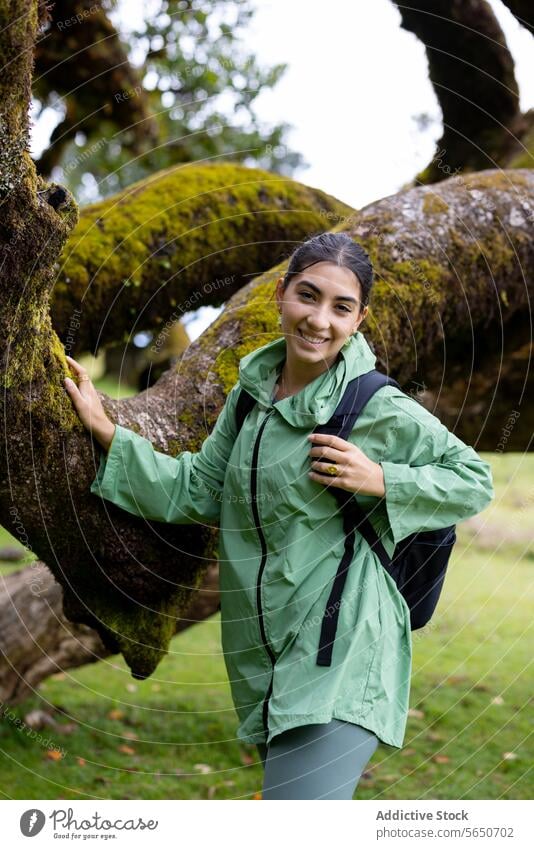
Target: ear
361,317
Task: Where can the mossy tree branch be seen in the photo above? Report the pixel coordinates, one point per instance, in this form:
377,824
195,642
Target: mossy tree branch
188,236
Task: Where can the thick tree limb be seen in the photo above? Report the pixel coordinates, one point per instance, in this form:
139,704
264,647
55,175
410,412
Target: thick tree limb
472,72
523,11
187,237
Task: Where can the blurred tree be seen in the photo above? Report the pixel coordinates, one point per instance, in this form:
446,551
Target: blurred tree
198,86
81,65
472,72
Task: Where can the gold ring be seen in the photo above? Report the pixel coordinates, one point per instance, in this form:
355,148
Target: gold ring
331,470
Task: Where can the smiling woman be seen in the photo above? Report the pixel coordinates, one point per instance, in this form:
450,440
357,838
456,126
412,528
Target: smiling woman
315,699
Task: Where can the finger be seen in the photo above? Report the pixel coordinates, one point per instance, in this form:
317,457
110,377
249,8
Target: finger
83,381
72,389
76,367
322,468
329,439
328,453
326,479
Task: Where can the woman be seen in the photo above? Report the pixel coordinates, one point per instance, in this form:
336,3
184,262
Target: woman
281,535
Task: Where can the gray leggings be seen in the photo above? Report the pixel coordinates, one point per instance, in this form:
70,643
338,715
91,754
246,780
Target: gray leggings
316,761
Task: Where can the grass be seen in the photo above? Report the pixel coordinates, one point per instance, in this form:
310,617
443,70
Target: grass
469,735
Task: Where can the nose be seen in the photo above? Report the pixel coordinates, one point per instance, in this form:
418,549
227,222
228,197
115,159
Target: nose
318,319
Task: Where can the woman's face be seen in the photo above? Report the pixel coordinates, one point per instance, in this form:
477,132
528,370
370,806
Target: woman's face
320,309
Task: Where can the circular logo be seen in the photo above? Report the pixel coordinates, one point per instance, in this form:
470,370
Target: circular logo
31,822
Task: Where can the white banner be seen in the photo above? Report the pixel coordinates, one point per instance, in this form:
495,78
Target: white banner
308,824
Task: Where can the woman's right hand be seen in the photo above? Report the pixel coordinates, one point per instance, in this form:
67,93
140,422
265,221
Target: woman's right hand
88,405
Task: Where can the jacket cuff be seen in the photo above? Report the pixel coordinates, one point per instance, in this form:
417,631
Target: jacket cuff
106,474
397,502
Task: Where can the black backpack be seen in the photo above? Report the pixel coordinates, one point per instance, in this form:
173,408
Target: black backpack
419,562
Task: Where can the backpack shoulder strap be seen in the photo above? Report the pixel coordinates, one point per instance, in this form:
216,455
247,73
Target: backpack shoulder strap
359,391
245,403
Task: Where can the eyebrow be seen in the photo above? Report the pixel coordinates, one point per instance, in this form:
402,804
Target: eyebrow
336,298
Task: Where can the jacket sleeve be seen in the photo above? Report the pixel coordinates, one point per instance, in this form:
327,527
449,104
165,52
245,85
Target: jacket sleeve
184,489
432,479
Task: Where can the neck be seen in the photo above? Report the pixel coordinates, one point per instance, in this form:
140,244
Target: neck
296,375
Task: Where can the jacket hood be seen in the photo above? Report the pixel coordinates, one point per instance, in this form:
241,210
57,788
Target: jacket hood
316,402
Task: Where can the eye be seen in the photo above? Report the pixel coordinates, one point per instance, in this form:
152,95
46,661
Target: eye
340,306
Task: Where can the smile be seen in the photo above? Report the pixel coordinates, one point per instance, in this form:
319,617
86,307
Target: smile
312,340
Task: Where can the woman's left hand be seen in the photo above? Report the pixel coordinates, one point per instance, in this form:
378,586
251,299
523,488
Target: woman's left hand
355,471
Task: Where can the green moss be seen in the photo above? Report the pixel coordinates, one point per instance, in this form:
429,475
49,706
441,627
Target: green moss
136,241
257,325
141,634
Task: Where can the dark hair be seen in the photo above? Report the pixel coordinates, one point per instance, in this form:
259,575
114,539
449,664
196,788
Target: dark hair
338,248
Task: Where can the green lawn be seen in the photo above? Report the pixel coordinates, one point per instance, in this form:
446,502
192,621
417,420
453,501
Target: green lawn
173,736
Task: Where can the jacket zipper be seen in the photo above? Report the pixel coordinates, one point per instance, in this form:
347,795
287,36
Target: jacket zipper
255,512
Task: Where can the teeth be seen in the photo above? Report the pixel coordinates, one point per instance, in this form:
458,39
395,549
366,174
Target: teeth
311,339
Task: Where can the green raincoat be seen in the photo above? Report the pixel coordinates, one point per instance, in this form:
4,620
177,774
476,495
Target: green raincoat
281,540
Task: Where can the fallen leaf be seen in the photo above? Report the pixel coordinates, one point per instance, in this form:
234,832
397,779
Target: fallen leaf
203,768
406,752
441,759
81,761
434,736
54,755
116,714
126,750
417,714
247,759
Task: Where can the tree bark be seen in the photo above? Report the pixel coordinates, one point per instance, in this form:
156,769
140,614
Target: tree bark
472,72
